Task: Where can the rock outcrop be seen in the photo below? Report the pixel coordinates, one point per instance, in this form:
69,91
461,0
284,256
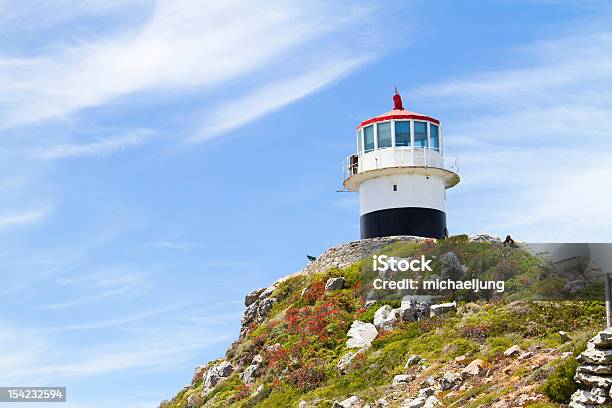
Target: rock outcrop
484,237
351,402
361,334
346,254
385,318
334,284
216,374
594,375
327,306
415,307
258,308
258,302
437,310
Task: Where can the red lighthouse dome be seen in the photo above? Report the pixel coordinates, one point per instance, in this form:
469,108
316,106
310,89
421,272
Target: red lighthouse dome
398,112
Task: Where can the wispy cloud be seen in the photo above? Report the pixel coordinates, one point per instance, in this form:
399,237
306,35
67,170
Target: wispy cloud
36,361
29,217
273,96
185,43
103,147
94,287
101,360
104,324
84,300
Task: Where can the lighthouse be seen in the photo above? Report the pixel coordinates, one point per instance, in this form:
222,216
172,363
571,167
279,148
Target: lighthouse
401,174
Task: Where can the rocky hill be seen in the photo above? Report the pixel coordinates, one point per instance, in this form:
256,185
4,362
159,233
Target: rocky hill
323,337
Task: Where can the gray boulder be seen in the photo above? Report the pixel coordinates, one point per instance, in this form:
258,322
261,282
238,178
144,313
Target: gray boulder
266,292
382,403
432,402
415,307
473,369
255,312
216,374
408,311
442,308
351,402
429,381
413,360
564,336
250,374
265,306
253,296
513,351
484,237
361,334
250,314
450,381
402,379
334,284
257,360
418,402
385,318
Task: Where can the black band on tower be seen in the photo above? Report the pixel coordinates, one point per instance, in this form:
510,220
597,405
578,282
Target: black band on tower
422,222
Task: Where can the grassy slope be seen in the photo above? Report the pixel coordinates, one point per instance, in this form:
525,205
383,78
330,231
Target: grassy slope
311,331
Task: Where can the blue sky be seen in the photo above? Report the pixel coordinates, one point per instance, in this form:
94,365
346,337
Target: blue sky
159,159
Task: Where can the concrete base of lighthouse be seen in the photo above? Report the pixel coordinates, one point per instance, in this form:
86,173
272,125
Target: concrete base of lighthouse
416,221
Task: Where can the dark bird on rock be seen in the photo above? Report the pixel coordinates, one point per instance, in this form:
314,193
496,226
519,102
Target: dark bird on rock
311,258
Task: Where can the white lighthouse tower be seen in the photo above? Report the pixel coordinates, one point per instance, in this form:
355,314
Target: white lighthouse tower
401,175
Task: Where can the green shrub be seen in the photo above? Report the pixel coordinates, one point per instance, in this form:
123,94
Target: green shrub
560,385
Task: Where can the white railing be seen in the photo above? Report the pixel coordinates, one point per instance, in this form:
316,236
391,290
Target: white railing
399,157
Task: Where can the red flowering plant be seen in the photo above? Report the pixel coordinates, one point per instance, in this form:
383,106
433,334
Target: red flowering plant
310,321
314,292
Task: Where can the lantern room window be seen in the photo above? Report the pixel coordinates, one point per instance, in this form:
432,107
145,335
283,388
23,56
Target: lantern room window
384,135
368,138
420,134
402,133
434,136
360,141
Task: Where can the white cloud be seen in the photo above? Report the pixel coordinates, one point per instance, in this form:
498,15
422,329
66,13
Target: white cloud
184,44
22,218
101,360
84,300
39,361
104,324
273,96
106,146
